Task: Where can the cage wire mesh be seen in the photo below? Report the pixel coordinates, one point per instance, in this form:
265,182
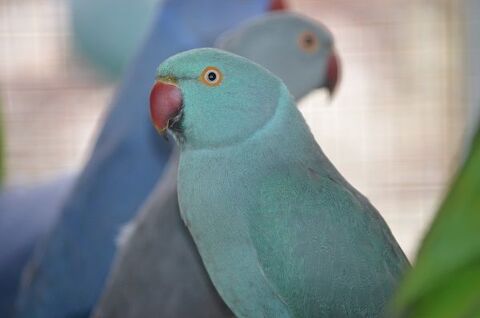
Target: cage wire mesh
52,102
394,129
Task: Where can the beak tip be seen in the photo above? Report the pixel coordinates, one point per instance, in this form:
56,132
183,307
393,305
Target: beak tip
331,90
161,130
330,94
333,73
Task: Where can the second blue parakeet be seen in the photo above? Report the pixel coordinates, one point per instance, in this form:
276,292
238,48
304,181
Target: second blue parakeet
108,32
23,223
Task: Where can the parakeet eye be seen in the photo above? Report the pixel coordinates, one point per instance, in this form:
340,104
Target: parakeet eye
211,76
308,42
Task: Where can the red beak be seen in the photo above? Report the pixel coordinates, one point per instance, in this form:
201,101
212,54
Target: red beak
277,5
333,73
165,103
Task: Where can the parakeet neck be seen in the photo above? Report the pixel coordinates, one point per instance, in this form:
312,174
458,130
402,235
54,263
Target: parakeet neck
282,138
287,134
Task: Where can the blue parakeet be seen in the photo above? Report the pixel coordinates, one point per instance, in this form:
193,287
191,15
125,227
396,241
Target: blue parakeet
108,32
445,279
280,231
67,276
157,271
23,223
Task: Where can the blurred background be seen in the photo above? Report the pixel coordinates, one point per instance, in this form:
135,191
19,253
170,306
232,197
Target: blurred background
397,127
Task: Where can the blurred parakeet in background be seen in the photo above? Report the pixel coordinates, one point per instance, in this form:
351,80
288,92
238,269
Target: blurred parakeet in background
108,32
157,271
27,214
295,48
67,275
445,280
280,231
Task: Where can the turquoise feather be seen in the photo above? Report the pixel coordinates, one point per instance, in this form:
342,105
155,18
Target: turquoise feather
280,231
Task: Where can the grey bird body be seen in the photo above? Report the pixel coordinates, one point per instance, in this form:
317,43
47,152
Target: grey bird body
158,272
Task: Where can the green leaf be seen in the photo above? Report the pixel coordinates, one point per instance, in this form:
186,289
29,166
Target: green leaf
445,281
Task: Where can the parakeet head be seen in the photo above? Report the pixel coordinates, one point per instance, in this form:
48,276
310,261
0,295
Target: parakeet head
211,98
297,49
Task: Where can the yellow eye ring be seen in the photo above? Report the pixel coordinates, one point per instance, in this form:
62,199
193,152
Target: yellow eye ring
211,76
308,42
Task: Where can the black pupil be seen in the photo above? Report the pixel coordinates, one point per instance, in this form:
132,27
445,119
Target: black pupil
212,76
308,40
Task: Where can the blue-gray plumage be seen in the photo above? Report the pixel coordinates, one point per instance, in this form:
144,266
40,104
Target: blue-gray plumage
280,231
27,214
158,270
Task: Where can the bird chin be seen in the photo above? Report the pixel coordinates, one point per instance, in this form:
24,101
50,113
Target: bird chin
175,126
